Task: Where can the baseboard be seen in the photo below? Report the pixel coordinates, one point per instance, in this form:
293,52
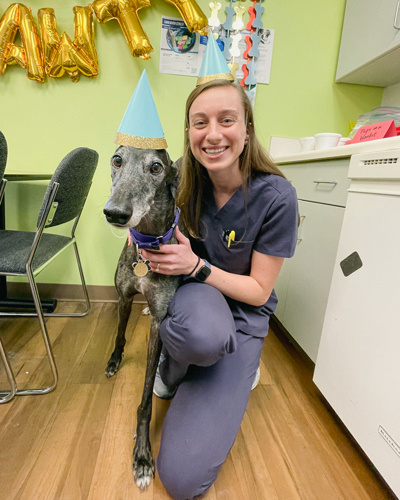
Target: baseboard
290,343
67,292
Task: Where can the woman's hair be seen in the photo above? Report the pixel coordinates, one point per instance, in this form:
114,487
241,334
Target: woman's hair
194,176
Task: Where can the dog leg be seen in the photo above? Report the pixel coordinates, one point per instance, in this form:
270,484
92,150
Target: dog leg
143,462
124,311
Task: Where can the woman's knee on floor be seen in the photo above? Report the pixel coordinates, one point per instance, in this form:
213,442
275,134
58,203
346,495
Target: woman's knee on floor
183,480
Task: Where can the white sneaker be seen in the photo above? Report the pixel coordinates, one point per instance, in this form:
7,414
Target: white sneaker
256,379
160,389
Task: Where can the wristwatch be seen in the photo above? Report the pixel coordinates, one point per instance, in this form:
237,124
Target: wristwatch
204,272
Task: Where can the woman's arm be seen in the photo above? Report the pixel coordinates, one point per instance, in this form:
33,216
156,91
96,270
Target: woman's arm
254,289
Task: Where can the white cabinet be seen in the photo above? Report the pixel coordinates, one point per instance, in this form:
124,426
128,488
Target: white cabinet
370,45
303,284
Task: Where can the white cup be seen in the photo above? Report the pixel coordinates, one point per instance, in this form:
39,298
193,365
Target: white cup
307,143
326,140
343,140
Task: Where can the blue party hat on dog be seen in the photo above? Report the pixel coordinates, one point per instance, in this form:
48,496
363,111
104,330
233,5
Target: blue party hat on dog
141,126
214,66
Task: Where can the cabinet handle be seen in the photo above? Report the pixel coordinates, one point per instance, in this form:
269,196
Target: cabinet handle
301,220
327,182
396,22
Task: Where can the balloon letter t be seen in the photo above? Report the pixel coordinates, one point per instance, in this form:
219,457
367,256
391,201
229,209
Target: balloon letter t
125,12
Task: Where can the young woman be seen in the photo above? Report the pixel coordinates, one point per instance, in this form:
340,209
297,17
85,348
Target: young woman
241,214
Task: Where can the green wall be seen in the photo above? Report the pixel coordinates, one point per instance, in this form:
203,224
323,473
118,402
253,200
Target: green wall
43,122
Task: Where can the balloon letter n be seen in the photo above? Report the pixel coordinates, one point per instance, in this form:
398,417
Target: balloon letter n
63,56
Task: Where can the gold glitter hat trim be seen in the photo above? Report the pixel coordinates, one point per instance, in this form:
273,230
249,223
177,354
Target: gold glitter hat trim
140,142
220,76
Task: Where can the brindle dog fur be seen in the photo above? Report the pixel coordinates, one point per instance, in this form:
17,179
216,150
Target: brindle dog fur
142,197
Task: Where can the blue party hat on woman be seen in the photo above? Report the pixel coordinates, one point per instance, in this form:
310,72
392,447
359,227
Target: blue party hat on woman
141,126
214,66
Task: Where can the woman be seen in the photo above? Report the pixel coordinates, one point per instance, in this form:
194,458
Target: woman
241,214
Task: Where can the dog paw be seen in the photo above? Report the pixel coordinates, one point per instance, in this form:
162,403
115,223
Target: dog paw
143,471
112,368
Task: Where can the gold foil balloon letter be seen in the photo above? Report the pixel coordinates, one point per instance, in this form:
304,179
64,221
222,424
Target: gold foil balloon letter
29,56
61,55
125,12
191,13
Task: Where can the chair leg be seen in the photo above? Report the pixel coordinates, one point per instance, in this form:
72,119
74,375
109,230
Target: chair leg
85,293
84,287
46,340
8,395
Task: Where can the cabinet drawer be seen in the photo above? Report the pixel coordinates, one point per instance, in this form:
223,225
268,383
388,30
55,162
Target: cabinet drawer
320,181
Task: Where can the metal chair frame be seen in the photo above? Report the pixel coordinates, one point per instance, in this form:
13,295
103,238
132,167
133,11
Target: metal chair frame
3,183
7,395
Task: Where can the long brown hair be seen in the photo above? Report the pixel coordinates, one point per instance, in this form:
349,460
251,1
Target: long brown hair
194,176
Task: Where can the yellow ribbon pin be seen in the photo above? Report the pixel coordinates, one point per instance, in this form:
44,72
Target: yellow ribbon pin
231,238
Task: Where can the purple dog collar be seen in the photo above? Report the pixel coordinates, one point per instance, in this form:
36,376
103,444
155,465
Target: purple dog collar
153,242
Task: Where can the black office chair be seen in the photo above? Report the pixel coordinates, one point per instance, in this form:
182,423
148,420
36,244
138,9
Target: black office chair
24,253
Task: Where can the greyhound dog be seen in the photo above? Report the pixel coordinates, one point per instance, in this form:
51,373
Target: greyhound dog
143,199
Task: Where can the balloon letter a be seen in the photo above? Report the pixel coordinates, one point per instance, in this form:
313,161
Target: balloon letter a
19,18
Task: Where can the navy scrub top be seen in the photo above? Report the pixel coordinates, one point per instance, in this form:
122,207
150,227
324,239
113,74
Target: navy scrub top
265,219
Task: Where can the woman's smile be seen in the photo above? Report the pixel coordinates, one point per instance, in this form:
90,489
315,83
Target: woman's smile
215,151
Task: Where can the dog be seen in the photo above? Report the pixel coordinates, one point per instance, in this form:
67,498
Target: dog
143,198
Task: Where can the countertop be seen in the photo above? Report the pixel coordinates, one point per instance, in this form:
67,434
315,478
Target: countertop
340,151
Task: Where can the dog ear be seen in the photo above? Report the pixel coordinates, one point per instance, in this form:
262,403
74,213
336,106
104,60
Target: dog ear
175,169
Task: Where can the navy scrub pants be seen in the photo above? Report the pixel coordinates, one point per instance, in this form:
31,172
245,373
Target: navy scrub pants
215,365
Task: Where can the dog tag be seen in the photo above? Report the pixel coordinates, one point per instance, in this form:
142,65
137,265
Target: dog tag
141,267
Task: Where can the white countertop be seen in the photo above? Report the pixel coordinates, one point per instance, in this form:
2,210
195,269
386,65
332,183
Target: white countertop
340,151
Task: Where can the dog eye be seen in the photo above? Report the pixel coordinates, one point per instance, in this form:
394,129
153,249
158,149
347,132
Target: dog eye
156,168
117,161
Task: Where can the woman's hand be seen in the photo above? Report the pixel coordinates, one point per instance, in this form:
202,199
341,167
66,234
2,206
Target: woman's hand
173,259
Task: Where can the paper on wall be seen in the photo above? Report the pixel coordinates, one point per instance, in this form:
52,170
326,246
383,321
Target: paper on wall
181,52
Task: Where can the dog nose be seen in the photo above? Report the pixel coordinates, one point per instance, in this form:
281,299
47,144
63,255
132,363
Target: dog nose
117,215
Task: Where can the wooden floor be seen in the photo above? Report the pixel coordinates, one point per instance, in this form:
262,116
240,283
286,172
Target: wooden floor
76,443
